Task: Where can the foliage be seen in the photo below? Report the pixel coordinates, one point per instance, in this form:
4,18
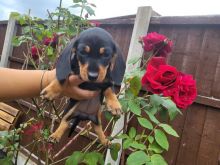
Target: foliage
45,39
153,110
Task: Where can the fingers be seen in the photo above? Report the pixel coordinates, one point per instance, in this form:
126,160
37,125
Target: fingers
72,90
82,94
75,80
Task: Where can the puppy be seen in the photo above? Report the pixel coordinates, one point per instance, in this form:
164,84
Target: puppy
95,57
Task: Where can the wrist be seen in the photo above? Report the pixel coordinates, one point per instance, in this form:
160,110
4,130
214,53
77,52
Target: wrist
48,77
51,75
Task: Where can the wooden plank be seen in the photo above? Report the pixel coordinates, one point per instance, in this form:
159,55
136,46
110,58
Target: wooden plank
210,101
178,125
186,20
4,125
216,82
7,48
167,20
7,117
209,148
9,109
140,28
207,63
190,140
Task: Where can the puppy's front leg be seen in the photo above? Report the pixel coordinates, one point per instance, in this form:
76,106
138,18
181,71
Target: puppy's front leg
112,102
64,125
56,136
53,90
99,131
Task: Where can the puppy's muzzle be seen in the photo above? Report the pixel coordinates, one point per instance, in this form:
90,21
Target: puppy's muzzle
92,76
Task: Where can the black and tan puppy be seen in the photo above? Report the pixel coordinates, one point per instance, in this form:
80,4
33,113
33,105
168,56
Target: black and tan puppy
95,57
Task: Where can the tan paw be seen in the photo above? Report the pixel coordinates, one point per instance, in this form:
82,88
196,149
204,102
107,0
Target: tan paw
114,107
106,142
54,138
49,93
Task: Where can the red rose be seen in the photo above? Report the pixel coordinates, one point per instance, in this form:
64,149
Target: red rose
184,93
52,41
159,76
34,128
158,43
34,52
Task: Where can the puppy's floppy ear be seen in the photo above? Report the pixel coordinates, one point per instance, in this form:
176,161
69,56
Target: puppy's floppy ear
117,67
63,66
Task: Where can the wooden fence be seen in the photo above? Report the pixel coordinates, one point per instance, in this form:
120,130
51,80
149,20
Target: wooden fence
196,51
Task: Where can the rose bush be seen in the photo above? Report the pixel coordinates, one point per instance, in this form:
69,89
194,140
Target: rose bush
158,43
184,92
159,76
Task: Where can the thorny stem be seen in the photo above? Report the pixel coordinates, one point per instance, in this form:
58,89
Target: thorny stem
94,141
29,156
60,160
72,140
150,133
55,111
123,128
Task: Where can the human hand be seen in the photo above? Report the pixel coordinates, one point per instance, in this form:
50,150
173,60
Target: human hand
71,87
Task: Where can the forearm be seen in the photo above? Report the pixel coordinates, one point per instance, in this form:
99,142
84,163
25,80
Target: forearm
16,84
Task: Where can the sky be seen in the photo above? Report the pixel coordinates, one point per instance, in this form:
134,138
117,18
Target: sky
113,8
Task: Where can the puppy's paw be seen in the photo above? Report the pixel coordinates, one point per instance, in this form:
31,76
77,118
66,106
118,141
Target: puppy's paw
54,138
105,142
114,107
49,93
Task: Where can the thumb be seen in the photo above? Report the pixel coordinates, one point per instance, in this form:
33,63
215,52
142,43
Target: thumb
75,80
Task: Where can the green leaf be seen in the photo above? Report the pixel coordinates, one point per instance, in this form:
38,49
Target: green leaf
115,148
145,123
108,115
75,158
139,137
135,85
150,139
89,10
14,15
132,132
127,143
134,107
75,6
168,129
157,159
155,148
123,136
124,104
137,158
171,107
49,51
156,100
137,145
21,20
153,110
6,161
161,139
129,95
152,117
163,114
77,1
93,158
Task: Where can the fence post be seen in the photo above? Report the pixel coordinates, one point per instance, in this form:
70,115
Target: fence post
141,25
7,47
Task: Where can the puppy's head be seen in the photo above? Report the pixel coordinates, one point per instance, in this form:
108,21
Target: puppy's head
95,52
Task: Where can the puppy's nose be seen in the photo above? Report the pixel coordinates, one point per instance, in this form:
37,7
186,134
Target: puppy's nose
93,76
